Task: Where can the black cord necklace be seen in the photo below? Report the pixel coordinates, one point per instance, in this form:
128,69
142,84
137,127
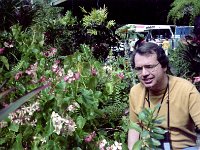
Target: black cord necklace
168,109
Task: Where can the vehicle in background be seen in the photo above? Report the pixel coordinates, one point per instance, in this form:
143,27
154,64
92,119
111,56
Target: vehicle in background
159,33
182,31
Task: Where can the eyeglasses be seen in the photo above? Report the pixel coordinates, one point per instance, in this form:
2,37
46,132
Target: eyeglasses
149,68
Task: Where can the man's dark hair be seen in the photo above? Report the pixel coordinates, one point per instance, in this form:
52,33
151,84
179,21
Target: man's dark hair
151,48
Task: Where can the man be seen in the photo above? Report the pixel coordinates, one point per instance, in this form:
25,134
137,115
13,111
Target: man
166,45
182,113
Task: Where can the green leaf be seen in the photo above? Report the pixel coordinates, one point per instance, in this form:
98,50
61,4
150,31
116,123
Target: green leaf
2,141
145,133
14,127
109,88
5,61
135,126
80,121
137,145
4,93
142,116
13,106
157,136
49,128
18,143
155,142
158,130
61,85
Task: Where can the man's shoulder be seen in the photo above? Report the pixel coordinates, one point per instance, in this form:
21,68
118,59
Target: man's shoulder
137,87
181,83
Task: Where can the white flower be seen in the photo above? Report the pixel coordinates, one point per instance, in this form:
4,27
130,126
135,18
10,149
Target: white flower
70,73
102,144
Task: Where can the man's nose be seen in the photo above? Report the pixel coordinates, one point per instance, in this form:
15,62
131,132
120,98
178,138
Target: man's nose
144,71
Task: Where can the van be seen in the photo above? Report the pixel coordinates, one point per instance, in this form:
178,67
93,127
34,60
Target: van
159,33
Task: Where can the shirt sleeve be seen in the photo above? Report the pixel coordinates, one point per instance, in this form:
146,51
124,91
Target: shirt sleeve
132,112
194,106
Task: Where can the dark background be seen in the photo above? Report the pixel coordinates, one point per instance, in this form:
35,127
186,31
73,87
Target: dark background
125,11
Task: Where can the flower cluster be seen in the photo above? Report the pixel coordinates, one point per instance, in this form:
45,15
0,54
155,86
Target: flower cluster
108,68
31,71
120,75
24,115
71,76
6,44
103,145
51,52
90,137
74,106
62,125
57,69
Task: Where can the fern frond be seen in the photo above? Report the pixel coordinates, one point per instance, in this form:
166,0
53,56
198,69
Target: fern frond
17,67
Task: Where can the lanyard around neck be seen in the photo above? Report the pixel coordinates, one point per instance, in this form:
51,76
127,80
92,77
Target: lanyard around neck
166,91
168,112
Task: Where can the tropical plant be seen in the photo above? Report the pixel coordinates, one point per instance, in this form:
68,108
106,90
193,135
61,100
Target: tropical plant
149,129
16,11
83,108
15,105
184,11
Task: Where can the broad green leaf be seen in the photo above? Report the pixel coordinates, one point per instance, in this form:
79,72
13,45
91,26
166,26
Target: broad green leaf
61,85
2,141
135,126
137,145
155,142
80,121
157,136
145,133
158,130
13,106
142,116
14,127
5,61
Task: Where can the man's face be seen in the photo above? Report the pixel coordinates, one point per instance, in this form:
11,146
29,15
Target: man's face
149,71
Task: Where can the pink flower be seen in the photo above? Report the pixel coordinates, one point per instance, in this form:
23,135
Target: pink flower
77,75
120,75
57,61
1,50
55,68
196,79
71,76
42,79
90,137
32,69
18,75
93,71
51,52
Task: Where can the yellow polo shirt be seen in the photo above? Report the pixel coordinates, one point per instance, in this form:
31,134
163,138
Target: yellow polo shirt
184,100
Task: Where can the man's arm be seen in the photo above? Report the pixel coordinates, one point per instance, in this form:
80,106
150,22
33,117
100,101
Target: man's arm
133,136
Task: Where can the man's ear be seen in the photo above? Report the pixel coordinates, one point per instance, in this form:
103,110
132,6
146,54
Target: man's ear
165,69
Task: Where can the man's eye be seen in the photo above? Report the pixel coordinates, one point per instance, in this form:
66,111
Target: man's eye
138,68
149,66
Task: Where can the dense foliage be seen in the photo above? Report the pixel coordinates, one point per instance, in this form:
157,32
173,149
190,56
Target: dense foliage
84,105
184,11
